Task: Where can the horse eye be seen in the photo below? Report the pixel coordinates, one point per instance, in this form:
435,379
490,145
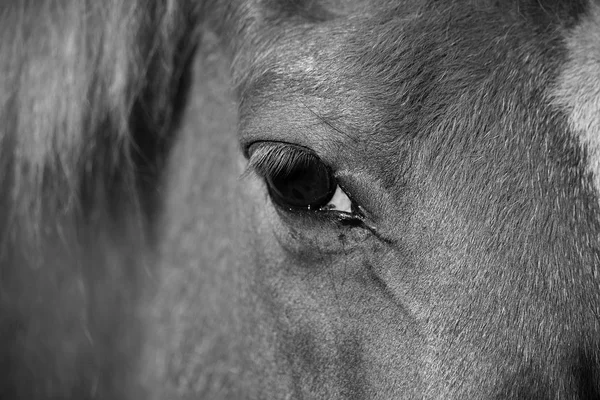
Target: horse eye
308,184
297,179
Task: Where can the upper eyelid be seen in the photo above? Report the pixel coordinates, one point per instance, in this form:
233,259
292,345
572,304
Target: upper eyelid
271,158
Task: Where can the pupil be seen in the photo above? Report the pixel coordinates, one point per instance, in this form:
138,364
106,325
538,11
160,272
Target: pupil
308,185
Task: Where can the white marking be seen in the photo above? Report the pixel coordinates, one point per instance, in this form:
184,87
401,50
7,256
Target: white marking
578,89
339,202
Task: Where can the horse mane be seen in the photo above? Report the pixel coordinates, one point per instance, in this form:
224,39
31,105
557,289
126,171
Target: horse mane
87,99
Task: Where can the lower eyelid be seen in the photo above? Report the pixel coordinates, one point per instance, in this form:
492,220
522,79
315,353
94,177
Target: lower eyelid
305,239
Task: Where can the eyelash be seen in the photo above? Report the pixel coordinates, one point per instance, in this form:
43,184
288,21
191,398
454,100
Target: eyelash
270,158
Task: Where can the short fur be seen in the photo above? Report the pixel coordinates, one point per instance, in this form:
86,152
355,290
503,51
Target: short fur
133,270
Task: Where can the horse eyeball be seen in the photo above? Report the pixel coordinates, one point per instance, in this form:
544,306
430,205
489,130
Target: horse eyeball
339,202
306,185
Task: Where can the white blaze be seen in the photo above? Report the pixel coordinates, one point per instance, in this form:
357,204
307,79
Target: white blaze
578,89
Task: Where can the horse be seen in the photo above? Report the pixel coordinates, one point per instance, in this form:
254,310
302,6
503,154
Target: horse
289,199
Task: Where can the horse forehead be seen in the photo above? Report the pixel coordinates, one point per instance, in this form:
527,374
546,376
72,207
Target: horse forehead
367,80
330,87
344,73
310,74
